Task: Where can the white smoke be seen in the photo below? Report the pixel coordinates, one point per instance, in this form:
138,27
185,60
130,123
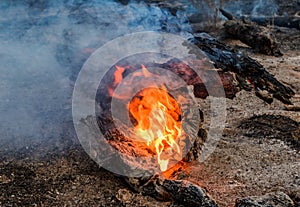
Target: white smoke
43,46
264,8
253,8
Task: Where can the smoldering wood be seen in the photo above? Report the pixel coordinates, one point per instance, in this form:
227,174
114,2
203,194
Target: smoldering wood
217,78
258,37
236,72
226,14
280,21
249,73
180,191
160,186
157,185
129,146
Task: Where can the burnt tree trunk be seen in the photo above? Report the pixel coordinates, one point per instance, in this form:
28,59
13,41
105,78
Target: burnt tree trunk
165,186
249,73
280,21
258,37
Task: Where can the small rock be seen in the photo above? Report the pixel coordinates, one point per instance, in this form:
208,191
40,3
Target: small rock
4,179
277,199
124,195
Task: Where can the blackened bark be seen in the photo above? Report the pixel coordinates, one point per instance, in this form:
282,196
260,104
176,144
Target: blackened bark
280,21
258,37
180,191
249,73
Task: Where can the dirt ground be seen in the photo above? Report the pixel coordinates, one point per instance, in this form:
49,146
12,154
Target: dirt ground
258,153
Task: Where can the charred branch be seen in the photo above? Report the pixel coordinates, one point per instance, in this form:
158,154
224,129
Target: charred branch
216,78
227,14
258,37
180,191
249,73
280,21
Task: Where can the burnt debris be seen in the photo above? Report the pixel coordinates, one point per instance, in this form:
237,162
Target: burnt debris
250,74
260,38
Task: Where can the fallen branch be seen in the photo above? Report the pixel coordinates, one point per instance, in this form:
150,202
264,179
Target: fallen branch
180,191
258,37
280,21
249,73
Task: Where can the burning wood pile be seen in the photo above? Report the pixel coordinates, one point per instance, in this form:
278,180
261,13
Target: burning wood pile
161,131
152,144
150,103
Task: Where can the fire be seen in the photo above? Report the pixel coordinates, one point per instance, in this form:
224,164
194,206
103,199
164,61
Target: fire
156,117
118,75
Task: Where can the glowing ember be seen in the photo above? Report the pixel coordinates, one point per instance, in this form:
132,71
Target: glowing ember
118,75
157,120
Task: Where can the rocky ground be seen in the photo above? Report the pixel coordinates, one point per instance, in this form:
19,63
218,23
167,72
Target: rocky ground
258,153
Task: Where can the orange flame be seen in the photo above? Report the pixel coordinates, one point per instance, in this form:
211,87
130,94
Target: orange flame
118,75
157,119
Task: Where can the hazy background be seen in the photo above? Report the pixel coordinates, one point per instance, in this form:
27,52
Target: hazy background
43,45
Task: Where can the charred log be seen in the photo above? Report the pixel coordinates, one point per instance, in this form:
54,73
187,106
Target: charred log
249,73
235,71
165,186
258,37
280,21
130,149
216,78
180,191
227,14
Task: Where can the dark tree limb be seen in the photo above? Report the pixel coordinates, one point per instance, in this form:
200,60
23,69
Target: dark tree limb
258,37
180,191
249,73
227,14
216,78
280,21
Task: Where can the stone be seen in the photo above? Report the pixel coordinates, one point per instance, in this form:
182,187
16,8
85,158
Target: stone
276,199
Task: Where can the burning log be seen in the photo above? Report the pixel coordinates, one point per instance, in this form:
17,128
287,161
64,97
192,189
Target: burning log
164,186
227,78
258,37
152,150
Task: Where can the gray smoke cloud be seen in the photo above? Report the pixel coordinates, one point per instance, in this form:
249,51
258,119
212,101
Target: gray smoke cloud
43,47
254,7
